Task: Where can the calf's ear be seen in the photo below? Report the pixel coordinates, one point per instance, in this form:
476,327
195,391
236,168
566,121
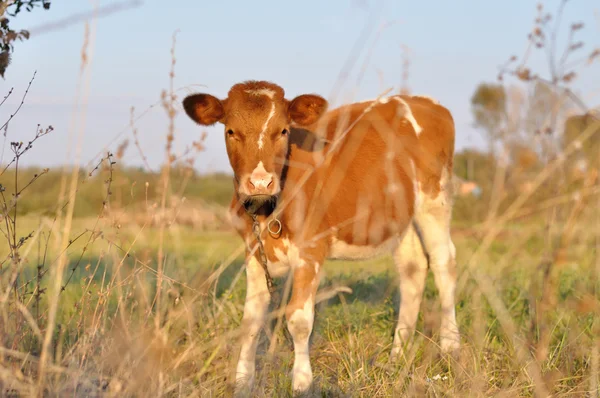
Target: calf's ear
204,109
306,109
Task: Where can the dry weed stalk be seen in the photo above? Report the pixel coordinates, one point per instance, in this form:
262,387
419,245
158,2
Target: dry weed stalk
168,99
544,36
57,272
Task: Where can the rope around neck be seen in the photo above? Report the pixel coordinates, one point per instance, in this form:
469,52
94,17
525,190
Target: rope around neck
261,250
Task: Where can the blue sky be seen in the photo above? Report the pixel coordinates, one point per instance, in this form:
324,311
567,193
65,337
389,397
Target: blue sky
301,45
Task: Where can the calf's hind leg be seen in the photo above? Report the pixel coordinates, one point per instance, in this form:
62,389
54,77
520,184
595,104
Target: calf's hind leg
411,264
433,220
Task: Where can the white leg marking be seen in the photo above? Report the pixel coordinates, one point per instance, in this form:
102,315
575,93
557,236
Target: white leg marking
411,264
255,309
300,325
407,113
434,221
441,260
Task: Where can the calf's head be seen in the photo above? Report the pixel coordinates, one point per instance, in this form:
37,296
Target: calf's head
257,119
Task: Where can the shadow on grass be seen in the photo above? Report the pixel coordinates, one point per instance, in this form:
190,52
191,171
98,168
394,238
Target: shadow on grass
372,289
99,272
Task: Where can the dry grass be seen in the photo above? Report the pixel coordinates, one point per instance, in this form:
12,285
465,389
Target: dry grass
105,339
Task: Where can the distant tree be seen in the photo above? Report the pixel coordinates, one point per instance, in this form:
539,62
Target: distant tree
7,35
547,110
488,105
542,101
474,165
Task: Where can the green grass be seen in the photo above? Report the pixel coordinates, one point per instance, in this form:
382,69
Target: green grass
128,188
105,321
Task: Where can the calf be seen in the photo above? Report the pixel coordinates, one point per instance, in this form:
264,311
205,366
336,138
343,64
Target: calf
364,179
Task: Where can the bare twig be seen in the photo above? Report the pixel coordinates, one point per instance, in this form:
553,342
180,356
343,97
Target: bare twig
5,125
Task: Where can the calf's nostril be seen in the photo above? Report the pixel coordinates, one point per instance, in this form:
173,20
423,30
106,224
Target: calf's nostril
259,184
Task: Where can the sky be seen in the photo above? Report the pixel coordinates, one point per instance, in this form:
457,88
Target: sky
303,46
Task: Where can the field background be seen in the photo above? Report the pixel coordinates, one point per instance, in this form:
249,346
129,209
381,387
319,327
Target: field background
118,280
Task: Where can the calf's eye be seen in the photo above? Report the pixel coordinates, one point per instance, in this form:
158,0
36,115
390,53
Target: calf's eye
284,132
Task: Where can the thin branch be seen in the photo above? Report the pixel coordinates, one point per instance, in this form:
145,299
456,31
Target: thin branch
6,96
5,125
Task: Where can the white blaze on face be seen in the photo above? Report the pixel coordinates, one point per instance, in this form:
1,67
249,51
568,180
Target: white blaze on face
261,137
269,93
260,178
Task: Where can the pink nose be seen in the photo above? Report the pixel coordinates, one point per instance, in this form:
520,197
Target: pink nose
260,184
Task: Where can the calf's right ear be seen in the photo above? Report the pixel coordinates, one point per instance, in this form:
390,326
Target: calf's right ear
306,109
204,109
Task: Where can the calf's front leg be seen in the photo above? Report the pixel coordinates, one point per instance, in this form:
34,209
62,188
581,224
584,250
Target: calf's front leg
255,310
300,317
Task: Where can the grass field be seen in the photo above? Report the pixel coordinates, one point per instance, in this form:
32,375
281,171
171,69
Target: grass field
127,281
122,277
518,336
138,292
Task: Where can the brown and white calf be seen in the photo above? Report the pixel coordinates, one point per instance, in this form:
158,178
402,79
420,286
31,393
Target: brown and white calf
351,183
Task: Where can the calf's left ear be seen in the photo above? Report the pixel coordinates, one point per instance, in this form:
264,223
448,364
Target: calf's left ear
204,109
306,109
